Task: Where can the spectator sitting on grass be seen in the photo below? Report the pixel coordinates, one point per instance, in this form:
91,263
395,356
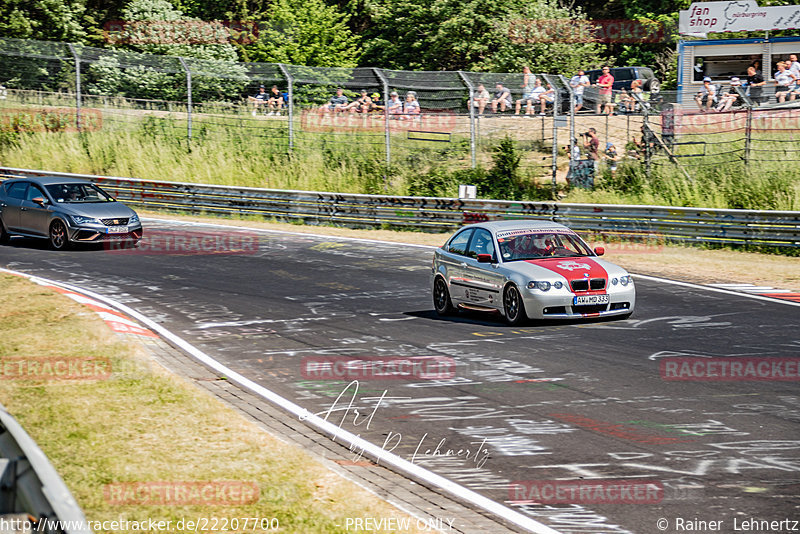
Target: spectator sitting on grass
275,101
628,100
411,107
395,106
482,97
259,100
338,102
502,98
360,104
537,91
376,104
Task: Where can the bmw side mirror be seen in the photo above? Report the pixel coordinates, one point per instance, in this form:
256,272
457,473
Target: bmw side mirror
39,200
599,251
484,258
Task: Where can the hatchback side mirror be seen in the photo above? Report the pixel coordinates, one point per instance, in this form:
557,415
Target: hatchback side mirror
39,200
599,251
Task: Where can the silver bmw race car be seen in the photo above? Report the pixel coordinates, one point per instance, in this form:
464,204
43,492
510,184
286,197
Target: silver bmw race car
528,269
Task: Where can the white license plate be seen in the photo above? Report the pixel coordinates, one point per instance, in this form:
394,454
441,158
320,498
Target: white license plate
588,300
117,230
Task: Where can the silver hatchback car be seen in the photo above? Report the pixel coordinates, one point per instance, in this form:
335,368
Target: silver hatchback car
64,211
528,270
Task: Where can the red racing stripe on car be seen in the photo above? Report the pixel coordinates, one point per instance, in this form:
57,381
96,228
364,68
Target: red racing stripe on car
573,268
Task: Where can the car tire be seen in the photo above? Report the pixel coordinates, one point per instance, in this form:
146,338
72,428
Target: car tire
59,239
652,85
4,237
513,307
441,297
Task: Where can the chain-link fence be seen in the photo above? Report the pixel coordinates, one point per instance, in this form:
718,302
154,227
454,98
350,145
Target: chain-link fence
389,118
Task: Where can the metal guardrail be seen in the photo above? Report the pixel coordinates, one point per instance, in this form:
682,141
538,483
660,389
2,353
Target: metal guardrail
689,225
30,484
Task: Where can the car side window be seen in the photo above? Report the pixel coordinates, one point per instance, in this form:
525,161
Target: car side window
458,245
17,190
33,192
481,243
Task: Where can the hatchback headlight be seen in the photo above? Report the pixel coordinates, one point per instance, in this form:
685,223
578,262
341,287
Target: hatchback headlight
542,286
80,219
133,219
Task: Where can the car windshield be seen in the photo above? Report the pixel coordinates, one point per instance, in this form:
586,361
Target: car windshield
532,245
78,193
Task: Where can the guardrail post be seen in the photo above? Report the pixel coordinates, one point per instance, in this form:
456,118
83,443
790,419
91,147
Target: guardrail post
290,82
188,100
77,86
471,116
388,138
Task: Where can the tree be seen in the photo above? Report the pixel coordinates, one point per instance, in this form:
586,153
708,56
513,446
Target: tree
305,32
476,35
58,20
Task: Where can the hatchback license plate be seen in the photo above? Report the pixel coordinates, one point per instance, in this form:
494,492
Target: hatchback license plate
588,300
117,230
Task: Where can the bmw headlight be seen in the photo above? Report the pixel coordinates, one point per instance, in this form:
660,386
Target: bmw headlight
134,219
542,286
80,219
625,280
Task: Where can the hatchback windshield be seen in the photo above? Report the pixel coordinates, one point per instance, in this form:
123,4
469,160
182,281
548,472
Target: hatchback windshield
78,193
535,245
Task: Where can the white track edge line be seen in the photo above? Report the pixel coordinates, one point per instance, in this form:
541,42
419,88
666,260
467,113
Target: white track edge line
354,441
716,289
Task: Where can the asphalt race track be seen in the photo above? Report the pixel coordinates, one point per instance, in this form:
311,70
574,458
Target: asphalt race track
570,402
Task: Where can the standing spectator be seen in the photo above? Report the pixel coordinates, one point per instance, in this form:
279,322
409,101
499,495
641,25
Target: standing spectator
259,100
527,84
611,157
547,97
579,82
275,101
592,144
794,65
338,102
756,64
784,80
730,97
395,106
502,98
707,96
411,106
482,97
755,84
605,83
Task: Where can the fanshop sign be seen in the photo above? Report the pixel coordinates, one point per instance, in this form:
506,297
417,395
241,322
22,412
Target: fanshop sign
741,15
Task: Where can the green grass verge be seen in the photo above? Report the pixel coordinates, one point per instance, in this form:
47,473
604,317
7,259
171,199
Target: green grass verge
145,425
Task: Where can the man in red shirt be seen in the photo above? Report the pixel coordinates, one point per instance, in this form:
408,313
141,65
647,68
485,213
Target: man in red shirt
605,82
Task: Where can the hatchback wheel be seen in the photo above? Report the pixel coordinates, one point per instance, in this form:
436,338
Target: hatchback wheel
58,235
513,306
441,297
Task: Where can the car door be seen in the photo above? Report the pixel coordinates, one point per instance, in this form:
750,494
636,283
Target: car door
34,218
454,261
483,279
11,204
